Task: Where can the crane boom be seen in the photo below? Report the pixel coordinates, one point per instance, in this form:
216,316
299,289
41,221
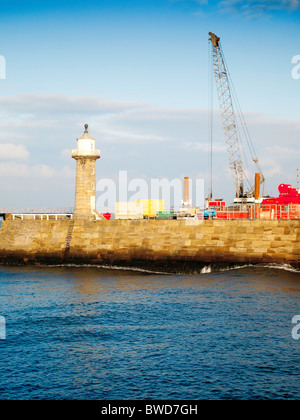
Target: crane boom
229,121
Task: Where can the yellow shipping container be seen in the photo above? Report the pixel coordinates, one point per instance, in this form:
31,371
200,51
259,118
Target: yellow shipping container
151,206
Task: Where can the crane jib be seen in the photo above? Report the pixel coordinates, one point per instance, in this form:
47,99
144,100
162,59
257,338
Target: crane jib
229,122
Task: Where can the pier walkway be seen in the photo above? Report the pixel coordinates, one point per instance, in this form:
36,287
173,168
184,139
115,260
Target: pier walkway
37,213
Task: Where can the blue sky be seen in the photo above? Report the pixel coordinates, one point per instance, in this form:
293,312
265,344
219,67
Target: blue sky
139,73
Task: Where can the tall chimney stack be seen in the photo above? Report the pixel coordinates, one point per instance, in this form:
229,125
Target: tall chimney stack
186,199
257,186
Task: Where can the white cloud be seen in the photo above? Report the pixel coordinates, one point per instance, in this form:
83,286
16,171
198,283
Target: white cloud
147,140
13,151
115,136
21,170
27,106
67,172
254,8
40,170
247,8
283,152
66,153
9,169
201,2
206,147
270,166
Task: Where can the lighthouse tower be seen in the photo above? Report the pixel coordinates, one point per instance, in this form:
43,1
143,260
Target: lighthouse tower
85,192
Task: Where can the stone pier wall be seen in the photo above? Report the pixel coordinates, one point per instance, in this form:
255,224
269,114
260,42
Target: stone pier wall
152,243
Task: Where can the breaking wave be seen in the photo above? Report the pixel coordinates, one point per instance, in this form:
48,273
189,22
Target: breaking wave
208,269
286,267
108,267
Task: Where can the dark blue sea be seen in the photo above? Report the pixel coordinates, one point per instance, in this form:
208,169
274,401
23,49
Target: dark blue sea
92,333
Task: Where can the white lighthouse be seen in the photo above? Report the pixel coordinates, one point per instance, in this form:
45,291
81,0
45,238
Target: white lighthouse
85,192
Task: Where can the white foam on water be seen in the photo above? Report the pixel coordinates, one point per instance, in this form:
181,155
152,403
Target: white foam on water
206,269
109,267
285,267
